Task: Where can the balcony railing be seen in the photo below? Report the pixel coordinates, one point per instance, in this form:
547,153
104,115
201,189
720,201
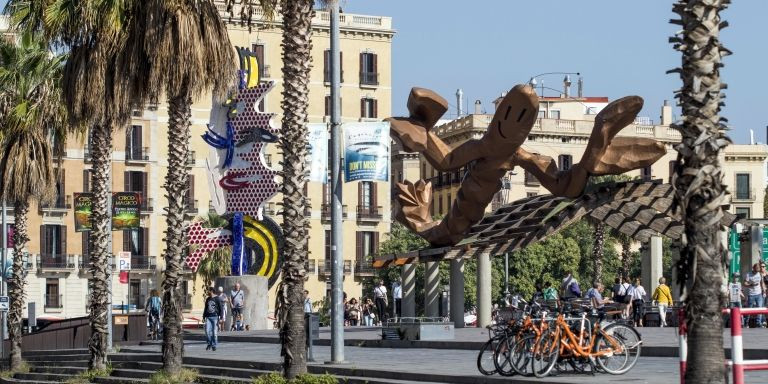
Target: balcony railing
327,76
61,203
324,268
326,212
366,212
191,158
269,210
364,268
87,157
147,205
369,78
531,180
309,266
51,261
744,195
137,154
347,267
54,301
143,263
191,206
264,72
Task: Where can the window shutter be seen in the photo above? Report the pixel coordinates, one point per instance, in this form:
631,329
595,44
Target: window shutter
127,179
362,108
327,66
360,193
126,240
327,247
143,186
325,193
62,184
375,109
375,244
43,240
341,67
145,242
327,106
128,142
375,68
86,180
86,253
191,191
362,66
139,148
258,49
374,197
63,239
358,246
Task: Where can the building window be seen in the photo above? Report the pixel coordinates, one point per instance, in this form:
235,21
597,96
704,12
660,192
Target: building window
190,202
258,50
133,143
327,66
742,212
554,114
366,193
672,169
645,173
367,244
369,108
369,69
564,162
136,181
136,241
742,186
530,179
328,106
87,180
53,242
52,294
86,246
424,170
542,114
440,205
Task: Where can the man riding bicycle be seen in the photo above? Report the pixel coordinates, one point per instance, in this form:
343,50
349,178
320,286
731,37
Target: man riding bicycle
153,307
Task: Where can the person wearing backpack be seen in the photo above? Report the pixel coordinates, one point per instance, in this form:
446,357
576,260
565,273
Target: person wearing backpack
621,295
153,306
570,288
637,293
550,293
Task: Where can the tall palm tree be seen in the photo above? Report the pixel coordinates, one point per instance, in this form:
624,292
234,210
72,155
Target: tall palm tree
216,263
180,48
97,93
31,114
297,61
598,244
698,182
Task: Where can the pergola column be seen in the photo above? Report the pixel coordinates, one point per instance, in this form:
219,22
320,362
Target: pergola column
457,293
431,288
408,305
652,264
484,289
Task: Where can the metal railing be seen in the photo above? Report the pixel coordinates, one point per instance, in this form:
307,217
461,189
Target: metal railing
61,203
54,301
369,78
368,212
137,154
327,76
743,195
53,261
143,263
347,267
191,158
147,205
326,211
364,268
324,268
190,206
309,266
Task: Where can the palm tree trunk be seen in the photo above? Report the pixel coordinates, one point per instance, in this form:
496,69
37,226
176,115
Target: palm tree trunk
98,284
699,190
179,114
626,257
597,253
16,282
297,44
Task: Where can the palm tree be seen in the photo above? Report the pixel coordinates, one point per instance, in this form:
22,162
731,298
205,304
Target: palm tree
598,245
99,94
31,114
181,48
698,182
297,44
218,262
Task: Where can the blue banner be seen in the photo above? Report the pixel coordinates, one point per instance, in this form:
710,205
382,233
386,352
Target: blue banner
366,154
238,248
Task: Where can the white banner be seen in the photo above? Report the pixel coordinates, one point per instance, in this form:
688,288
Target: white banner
318,152
366,154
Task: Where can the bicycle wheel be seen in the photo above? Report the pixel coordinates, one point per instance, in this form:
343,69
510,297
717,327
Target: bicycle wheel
502,354
616,362
520,358
631,339
485,363
545,354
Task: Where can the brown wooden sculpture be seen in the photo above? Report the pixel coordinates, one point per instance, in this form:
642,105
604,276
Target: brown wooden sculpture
499,151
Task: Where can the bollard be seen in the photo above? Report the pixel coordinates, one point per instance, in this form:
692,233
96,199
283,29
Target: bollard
737,351
683,331
312,328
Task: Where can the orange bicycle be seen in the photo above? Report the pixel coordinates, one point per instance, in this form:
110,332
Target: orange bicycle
560,343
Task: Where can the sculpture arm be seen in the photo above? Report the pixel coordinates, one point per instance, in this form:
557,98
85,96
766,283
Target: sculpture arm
570,183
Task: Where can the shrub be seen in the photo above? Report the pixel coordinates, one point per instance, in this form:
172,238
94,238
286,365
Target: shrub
88,376
24,368
276,378
185,376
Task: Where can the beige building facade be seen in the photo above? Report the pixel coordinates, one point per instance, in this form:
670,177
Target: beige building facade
562,132
57,256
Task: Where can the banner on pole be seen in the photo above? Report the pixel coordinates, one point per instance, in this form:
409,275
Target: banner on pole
126,210
318,152
735,249
83,211
366,151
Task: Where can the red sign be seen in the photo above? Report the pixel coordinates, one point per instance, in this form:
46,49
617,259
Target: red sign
123,277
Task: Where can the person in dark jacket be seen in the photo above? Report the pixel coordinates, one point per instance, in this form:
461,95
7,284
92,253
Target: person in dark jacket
213,312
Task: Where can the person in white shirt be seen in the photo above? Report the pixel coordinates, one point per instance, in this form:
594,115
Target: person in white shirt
637,292
397,297
755,298
380,296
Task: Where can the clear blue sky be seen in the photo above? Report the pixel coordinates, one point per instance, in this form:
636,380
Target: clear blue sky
620,47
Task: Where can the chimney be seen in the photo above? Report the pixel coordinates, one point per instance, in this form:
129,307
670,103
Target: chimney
567,86
478,107
459,102
581,87
666,113
751,136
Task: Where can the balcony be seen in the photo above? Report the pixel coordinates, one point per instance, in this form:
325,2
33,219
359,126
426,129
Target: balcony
369,213
137,155
85,261
743,194
324,268
191,159
143,263
190,206
364,268
310,265
54,301
347,267
147,206
264,72
270,210
327,76
369,78
531,180
61,204
87,157
186,302
48,262
326,212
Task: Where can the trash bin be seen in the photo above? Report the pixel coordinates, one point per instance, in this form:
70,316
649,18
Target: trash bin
443,304
312,327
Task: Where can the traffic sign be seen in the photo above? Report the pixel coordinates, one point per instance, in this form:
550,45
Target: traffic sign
124,261
4,303
735,248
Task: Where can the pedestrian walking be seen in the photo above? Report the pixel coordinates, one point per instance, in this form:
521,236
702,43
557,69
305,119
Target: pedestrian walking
569,288
380,297
368,315
224,301
212,313
662,298
237,298
621,296
638,294
755,290
307,302
397,298
354,310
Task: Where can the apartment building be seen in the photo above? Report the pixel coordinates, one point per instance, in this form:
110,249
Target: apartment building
562,132
58,256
